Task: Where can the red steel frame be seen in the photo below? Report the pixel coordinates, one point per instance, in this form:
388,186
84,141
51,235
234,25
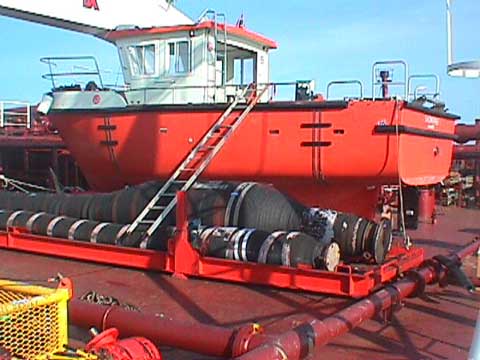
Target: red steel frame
184,261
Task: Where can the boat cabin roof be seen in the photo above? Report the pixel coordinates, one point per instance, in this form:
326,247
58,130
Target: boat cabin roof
238,31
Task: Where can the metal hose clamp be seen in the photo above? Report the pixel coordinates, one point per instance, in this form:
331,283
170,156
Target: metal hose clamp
96,231
286,248
245,243
267,244
120,234
53,223
13,216
32,219
74,227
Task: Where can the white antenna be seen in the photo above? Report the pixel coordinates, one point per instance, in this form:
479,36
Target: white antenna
449,32
467,69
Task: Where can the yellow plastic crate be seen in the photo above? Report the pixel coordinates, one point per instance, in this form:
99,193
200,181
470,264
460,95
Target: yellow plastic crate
33,320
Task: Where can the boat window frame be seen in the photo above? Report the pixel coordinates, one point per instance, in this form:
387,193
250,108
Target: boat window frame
176,41
144,44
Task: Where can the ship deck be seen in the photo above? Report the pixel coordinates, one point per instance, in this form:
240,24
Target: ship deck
437,326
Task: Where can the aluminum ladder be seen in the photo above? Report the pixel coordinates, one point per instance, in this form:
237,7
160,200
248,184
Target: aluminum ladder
187,173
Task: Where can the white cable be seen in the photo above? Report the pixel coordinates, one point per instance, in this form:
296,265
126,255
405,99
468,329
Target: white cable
400,190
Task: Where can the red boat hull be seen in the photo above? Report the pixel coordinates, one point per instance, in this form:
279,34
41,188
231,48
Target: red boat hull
324,154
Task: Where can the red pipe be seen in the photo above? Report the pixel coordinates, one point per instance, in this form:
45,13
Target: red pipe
426,206
466,133
464,152
306,339
196,337
297,343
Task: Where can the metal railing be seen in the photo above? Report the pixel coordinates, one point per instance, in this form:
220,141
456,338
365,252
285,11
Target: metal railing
53,62
231,90
421,89
379,83
15,114
345,82
213,16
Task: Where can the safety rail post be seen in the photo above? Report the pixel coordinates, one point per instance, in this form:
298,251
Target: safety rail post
345,82
393,83
29,117
423,76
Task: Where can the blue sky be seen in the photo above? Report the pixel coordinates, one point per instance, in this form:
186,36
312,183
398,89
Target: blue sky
320,40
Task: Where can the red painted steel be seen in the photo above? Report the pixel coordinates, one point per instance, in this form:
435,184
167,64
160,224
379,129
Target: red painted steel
306,339
109,346
426,208
200,338
466,133
462,152
294,148
297,343
182,260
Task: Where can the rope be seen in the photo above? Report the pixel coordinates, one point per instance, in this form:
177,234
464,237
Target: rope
21,185
93,297
406,238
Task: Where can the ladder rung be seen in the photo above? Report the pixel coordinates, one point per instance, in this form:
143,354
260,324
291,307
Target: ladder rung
206,148
157,208
191,168
219,136
146,222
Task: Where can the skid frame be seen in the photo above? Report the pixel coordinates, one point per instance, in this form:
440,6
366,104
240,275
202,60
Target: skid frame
182,260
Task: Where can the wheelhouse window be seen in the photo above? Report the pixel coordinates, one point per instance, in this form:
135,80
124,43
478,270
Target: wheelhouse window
143,60
179,58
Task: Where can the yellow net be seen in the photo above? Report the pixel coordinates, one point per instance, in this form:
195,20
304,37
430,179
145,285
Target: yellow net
33,320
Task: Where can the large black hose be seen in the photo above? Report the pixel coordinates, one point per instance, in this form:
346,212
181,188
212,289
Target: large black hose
359,239
263,207
240,205
292,249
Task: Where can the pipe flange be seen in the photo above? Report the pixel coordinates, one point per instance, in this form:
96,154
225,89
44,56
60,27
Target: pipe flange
307,335
242,338
331,256
382,241
420,281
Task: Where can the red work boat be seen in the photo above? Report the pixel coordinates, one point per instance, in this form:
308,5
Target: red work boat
183,80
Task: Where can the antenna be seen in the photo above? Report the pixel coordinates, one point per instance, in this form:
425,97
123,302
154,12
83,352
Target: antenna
466,69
